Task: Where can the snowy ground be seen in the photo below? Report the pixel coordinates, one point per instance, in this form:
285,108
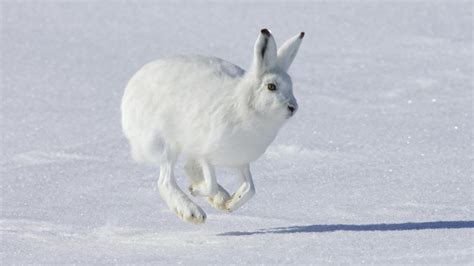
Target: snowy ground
376,167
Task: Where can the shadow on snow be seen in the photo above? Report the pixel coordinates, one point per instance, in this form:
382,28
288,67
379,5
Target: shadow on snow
324,228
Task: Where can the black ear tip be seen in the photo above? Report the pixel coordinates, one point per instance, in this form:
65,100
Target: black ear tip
266,32
302,35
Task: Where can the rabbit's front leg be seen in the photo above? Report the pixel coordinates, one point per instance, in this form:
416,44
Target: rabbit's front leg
244,192
207,187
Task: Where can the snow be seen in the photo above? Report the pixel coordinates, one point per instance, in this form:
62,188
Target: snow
376,166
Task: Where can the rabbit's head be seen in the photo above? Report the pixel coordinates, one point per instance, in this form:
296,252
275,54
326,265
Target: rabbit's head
271,85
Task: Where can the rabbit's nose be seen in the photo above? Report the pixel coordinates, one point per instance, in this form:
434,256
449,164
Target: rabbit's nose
292,108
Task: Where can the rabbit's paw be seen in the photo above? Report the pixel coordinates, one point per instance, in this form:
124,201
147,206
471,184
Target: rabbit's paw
184,208
220,199
190,212
241,196
230,205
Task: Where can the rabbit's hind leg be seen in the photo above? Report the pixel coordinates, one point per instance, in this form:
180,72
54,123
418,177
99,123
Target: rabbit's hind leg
174,197
197,173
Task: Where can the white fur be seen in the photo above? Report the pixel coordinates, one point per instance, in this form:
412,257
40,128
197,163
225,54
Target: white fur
212,111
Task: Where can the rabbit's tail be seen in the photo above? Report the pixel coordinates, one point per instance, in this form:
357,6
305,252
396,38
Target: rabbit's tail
150,152
137,155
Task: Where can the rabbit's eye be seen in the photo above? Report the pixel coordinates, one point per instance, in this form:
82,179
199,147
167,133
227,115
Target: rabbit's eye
271,86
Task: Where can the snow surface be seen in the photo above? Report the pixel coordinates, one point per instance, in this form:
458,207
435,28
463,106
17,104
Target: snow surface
376,167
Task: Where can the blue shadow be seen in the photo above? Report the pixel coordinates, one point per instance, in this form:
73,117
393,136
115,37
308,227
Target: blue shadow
323,228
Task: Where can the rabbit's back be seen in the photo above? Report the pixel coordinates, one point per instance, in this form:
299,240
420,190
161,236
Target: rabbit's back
178,103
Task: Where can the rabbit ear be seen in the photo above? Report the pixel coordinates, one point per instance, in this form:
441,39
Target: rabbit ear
288,50
265,52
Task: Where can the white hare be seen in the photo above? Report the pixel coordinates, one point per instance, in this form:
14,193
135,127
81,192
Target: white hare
213,112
